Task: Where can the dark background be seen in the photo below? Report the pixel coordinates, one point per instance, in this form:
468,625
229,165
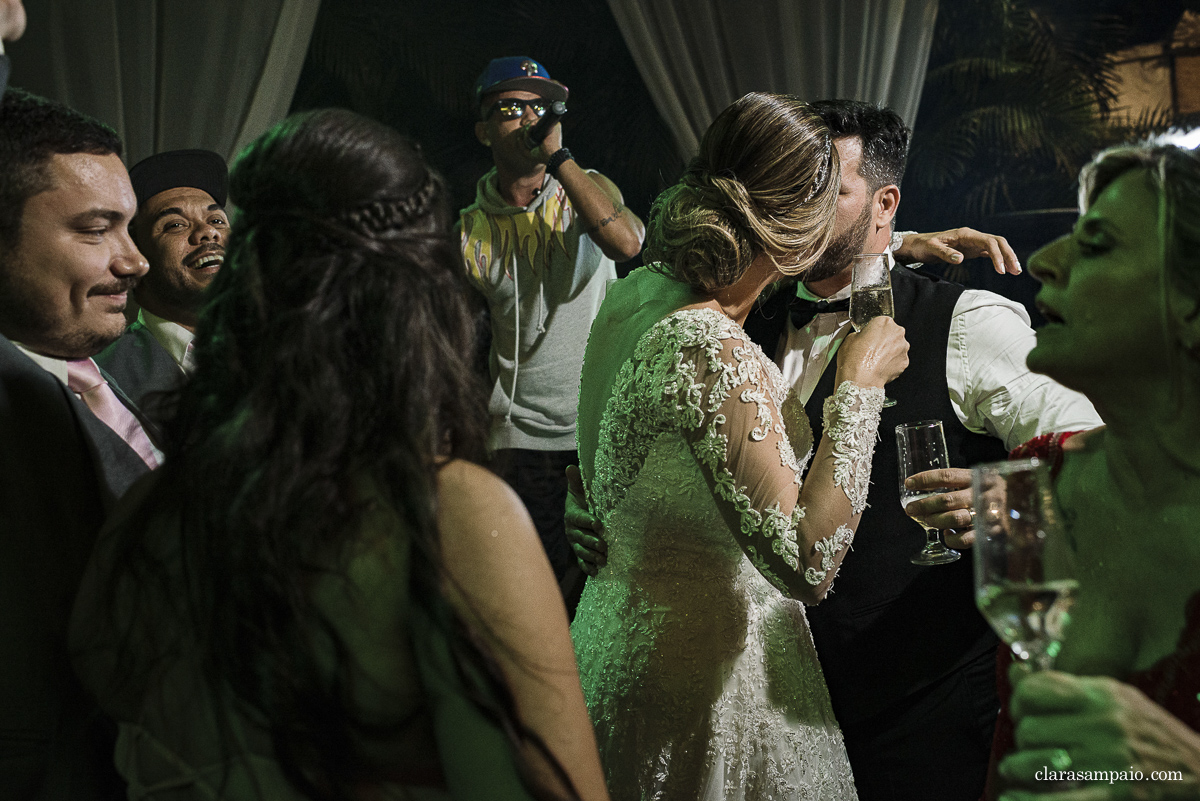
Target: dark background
1018,96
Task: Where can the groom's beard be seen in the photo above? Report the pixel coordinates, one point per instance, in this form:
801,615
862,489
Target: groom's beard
843,249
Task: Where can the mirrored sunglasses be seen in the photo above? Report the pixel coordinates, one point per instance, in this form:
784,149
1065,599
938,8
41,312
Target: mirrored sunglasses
512,107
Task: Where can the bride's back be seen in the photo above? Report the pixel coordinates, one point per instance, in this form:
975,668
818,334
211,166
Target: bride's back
631,308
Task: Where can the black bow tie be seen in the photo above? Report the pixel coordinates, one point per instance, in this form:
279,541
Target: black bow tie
803,311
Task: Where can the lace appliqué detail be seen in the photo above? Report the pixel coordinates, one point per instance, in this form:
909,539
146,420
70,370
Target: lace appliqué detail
829,549
660,368
851,418
701,678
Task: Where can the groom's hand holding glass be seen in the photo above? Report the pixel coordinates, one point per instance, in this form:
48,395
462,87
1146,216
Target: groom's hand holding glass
950,510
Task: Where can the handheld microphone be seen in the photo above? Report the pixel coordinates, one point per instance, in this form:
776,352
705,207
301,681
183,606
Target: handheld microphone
538,131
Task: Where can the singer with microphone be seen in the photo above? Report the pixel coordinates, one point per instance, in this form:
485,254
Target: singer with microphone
540,242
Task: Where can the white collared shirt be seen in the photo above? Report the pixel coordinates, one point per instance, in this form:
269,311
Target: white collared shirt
991,389
53,366
174,338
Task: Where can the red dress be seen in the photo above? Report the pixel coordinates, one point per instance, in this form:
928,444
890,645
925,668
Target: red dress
1173,682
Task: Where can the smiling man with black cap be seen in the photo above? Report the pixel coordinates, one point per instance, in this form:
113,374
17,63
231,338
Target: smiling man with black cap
180,228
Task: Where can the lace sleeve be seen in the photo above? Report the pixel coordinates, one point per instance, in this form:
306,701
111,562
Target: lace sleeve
727,402
851,416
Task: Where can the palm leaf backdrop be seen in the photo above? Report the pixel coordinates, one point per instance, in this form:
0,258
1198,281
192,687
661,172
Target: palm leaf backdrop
1015,101
412,65
1018,96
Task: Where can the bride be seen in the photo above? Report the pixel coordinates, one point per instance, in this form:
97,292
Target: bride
694,653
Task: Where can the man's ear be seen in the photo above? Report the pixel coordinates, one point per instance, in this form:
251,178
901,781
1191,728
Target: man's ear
481,133
886,201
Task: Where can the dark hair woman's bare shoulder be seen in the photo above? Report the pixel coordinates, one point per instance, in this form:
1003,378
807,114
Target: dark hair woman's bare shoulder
500,580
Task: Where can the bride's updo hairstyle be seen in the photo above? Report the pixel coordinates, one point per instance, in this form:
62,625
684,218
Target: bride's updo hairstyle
765,181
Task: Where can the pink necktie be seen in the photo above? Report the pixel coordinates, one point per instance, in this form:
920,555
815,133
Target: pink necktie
84,379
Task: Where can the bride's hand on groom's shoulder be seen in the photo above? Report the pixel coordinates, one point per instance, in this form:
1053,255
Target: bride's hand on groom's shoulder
584,530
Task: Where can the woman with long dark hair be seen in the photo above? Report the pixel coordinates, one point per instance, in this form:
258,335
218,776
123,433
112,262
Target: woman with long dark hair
320,595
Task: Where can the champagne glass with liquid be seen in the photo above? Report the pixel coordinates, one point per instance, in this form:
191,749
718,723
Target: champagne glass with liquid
921,446
871,293
1024,578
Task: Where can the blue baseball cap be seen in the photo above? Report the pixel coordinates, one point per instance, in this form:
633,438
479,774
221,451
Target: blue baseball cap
518,72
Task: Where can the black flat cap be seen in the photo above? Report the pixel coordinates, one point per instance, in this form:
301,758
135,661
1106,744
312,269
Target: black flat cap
200,169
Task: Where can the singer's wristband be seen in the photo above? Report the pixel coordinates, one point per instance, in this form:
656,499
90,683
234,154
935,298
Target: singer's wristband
561,155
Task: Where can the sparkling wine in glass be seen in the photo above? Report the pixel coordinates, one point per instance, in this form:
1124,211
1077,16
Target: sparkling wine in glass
871,293
921,446
1024,581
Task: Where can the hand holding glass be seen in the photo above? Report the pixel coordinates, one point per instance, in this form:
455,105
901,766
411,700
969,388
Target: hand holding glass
921,446
871,293
1024,581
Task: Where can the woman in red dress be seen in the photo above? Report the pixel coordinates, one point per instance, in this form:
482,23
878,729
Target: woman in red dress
1120,716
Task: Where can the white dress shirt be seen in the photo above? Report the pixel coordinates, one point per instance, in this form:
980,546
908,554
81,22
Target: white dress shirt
174,338
991,389
53,366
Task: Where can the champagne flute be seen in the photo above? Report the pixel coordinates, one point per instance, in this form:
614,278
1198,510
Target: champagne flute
1024,578
921,446
871,293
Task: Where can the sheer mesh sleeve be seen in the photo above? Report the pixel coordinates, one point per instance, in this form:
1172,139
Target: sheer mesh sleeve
717,388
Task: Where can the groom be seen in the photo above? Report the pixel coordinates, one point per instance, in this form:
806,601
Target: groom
908,660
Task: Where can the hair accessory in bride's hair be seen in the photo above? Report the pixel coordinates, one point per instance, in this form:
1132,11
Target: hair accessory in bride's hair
822,170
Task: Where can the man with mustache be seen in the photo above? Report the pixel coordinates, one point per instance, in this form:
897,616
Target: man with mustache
180,227
70,442
908,659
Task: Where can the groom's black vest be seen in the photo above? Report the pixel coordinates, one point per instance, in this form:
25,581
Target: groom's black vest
889,628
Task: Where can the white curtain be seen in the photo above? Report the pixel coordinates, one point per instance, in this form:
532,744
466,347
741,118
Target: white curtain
168,74
698,56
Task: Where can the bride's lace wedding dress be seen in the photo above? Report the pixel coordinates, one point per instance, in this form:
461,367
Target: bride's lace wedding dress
700,675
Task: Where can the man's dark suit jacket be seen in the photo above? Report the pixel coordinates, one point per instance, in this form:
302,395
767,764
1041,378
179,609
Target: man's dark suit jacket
61,469
140,366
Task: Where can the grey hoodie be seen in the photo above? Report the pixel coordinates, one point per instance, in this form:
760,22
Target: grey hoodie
540,255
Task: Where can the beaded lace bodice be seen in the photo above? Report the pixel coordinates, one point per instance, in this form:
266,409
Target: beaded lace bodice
701,677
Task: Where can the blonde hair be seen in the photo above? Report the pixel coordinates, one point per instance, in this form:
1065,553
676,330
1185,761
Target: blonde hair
1174,173
765,181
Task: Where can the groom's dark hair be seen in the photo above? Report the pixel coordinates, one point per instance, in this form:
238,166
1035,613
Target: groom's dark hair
883,134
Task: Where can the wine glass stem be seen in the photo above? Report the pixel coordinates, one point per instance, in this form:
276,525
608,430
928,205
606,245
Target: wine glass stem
933,536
